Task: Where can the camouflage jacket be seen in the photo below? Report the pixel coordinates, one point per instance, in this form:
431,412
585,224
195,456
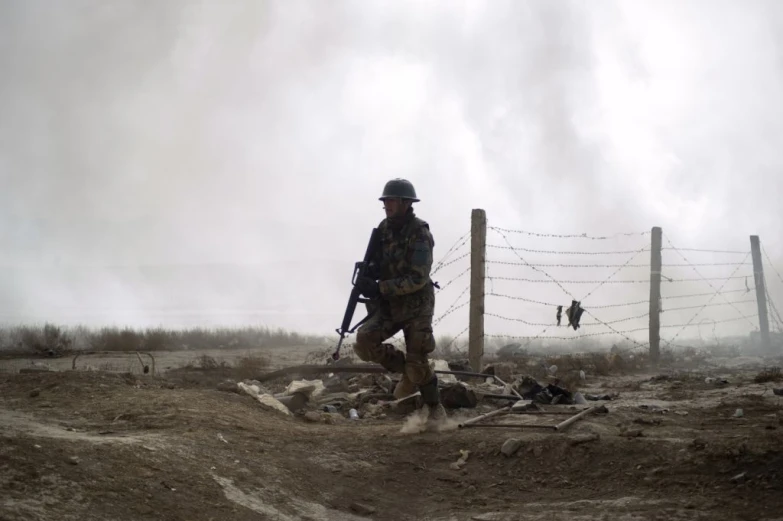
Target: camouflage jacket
403,269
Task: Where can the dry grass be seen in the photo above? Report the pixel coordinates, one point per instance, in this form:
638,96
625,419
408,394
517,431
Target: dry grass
52,340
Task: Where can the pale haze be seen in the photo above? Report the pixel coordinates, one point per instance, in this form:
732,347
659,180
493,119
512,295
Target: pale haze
188,164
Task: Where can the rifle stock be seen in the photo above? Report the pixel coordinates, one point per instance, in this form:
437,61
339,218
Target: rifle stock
360,270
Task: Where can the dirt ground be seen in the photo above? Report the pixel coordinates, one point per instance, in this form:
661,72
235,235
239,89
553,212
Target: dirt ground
100,445
164,360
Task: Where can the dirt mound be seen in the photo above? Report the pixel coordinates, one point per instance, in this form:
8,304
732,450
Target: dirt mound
92,445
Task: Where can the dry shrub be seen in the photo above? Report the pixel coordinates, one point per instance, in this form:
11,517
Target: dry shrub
115,339
250,367
207,362
158,339
600,364
771,374
51,341
320,356
244,368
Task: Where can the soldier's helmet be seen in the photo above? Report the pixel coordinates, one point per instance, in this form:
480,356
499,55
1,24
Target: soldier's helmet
399,188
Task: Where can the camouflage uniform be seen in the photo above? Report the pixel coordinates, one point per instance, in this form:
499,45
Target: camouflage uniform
407,302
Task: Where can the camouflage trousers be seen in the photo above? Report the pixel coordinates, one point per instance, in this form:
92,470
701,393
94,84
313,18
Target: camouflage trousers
419,343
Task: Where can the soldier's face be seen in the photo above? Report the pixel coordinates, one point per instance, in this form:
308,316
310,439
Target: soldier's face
394,207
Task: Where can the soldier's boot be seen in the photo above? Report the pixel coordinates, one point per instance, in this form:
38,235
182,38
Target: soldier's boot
430,396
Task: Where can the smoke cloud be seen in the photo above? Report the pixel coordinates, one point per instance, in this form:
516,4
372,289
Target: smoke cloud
201,163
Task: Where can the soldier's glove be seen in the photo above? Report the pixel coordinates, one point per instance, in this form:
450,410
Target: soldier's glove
368,287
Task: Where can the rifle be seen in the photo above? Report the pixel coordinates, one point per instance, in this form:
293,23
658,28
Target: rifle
360,269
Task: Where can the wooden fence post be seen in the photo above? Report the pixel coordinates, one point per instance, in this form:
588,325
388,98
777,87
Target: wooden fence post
656,264
478,259
761,292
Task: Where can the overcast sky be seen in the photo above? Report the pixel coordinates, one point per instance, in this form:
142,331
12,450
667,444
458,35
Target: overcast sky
216,163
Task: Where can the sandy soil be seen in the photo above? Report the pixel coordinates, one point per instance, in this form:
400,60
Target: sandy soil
111,446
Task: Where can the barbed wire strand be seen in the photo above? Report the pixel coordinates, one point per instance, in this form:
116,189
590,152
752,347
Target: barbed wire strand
558,265
609,281
626,304
568,338
452,261
454,279
692,295
638,345
528,264
456,246
769,261
634,252
703,307
398,340
547,324
775,314
556,252
682,308
445,348
569,236
707,251
699,273
453,307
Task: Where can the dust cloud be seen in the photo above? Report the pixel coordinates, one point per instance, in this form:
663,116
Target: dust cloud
191,163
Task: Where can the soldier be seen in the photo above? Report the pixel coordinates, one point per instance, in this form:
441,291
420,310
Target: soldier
400,279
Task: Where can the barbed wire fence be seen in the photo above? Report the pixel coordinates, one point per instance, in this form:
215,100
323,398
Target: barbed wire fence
531,279
526,279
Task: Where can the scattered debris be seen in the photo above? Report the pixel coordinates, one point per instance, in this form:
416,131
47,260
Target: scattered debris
311,388
600,397
739,478
367,392
362,509
458,395
580,439
510,447
655,409
294,401
264,399
312,416
463,459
